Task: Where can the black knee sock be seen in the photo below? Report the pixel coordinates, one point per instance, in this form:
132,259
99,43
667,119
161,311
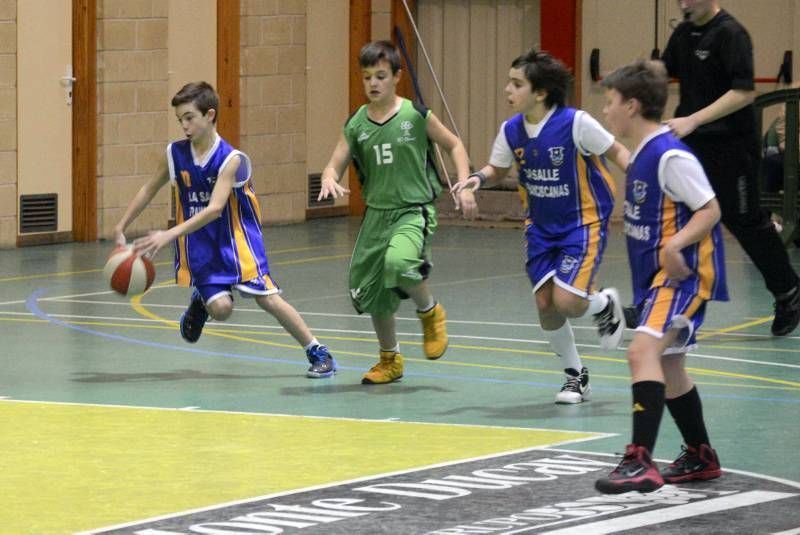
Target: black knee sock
648,406
687,411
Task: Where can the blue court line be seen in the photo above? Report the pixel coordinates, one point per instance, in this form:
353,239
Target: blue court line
32,305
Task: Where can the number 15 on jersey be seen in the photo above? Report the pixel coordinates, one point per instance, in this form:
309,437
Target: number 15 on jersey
383,153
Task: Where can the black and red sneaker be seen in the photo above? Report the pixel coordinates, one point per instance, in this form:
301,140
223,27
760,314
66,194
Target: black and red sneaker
636,471
692,464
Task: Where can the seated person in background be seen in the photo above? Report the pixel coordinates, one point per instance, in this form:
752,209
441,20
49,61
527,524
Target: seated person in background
774,147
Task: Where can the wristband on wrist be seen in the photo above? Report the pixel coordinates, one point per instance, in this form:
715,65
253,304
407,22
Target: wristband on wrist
481,176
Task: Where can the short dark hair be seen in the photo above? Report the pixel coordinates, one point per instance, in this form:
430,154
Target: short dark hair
373,52
644,80
545,72
202,94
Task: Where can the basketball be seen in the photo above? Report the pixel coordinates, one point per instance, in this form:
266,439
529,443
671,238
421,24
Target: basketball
128,273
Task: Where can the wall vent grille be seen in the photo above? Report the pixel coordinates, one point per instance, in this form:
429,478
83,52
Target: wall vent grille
38,213
314,187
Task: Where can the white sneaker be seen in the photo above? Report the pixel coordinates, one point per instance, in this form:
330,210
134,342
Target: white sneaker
576,388
610,321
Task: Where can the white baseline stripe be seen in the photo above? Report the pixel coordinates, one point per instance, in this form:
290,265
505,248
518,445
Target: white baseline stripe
221,325
669,514
66,299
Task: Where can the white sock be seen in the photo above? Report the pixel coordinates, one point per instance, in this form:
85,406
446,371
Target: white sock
395,349
562,342
312,343
430,305
597,303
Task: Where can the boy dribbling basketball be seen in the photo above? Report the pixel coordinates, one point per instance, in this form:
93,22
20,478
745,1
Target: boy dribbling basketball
218,240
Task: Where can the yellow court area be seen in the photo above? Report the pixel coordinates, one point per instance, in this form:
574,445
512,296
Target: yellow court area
67,467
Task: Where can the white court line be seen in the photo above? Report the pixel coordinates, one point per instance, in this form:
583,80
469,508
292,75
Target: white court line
329,485
596,434
66,299
795,531
662,515
389,474
228,325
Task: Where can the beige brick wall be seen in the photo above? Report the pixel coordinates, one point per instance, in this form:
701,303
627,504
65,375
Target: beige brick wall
273,104
381,16
132,109
8,123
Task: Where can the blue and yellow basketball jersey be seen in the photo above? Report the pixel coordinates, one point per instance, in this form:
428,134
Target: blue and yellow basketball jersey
652,218
565,189
230,249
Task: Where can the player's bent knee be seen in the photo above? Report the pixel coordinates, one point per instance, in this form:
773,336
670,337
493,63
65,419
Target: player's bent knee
638,351
570,305
221,309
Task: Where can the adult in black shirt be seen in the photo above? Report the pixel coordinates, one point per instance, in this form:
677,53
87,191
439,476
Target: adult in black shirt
712,56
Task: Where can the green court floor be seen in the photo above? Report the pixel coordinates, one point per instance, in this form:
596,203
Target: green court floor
107,416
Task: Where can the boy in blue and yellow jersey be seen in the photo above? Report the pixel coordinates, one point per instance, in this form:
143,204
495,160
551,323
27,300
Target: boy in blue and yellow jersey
389,140
677,263
218,240
559,152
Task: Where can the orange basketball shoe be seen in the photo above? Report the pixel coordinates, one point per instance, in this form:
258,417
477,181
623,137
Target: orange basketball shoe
387,370
434,331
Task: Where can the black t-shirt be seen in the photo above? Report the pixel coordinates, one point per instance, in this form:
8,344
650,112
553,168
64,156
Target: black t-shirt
710,60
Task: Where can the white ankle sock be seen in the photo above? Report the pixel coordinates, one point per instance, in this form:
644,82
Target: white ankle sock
430,305
597,302
312,343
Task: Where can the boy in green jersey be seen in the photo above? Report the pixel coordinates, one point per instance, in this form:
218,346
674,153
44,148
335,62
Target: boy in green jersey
389,140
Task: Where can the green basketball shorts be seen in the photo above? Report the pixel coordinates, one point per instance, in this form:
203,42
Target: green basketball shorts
392,252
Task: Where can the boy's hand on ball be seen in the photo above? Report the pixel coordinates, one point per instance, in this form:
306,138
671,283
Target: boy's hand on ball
148,246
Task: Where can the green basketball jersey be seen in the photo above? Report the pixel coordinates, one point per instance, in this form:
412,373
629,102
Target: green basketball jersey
393,159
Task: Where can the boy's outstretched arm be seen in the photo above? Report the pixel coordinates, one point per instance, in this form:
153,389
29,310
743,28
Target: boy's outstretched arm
334,170
142,199
698,227
149,245
443,137
487,176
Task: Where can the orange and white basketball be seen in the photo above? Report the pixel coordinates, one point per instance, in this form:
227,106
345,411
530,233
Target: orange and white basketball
128,273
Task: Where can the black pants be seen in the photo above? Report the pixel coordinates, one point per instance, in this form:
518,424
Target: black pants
731,163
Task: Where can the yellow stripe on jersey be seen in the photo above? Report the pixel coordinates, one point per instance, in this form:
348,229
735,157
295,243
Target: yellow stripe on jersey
588,204
182,277
669,224
247,261
696,303
269,283
705,266
662,305
659,311
583,280
611,184
253,201
523,196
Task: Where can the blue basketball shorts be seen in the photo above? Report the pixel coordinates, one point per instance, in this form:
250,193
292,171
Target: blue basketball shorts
571,259
669,308
265,285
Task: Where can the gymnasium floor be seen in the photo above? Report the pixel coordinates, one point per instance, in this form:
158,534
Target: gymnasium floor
109,420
